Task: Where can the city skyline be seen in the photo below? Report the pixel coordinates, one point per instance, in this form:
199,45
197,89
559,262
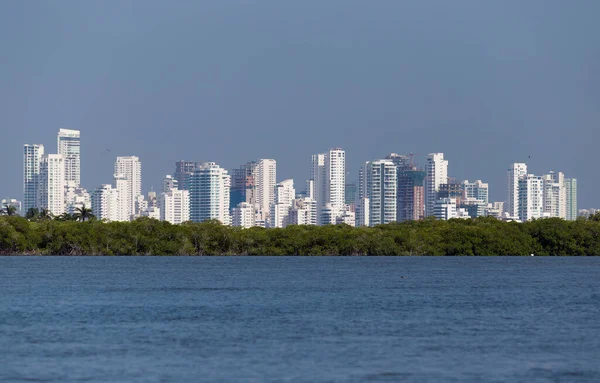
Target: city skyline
393,189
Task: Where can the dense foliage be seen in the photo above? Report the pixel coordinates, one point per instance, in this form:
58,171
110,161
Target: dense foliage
481,236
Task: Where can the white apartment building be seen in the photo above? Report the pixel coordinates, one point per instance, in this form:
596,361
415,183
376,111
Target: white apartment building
378,183
265,175
32,159
571,198
175,206
555,195
125,206
280,209
303,212
514,174
243,215
477,190
52,185
209,194
445,209
69,146
130,170
328,173
531,197
436,174
105,203
153,212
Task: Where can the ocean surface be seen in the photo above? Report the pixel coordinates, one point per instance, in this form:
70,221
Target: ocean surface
299,319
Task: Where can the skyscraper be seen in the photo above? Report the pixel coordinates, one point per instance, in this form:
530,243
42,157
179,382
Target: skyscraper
69,146
175,206
32,159
410,203
436,175
514,174
265,180
571,198
105,203
52,184
378,183
531,197
130,170
280,209
243,185
328,171
555,204
209,194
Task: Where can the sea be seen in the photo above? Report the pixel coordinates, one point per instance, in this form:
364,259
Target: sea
299,319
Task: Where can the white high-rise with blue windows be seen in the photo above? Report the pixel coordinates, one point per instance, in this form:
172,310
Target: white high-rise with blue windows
32,159
69,146
209,194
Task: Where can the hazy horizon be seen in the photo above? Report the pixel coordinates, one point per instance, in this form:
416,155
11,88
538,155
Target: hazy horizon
486,83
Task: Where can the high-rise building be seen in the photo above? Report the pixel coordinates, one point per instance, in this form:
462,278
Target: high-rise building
209,194
243,185
410,203
125,206
175,206
69,146
52,184
436,174
555,195
105,200
280,209
571,198
475,198
265,180
531,197
514,174
129,169
378,183
183,172
328,172
32,159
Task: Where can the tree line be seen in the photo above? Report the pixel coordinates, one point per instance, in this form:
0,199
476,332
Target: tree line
144,236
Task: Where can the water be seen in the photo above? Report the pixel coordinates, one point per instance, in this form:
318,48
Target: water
144,319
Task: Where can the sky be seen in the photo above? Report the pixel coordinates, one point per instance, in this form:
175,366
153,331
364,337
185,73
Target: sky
487,83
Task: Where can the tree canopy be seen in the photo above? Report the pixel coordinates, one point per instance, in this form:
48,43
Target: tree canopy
145,236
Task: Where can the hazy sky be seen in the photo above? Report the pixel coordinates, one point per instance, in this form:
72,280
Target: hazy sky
486,82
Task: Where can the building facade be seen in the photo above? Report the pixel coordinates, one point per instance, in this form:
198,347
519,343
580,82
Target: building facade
175,206
52,185
571,199
436,174
531,197
514,174
209,194
32,160
128,176
69,146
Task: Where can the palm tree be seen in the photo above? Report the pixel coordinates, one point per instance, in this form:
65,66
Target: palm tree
83,214
9,210
32,213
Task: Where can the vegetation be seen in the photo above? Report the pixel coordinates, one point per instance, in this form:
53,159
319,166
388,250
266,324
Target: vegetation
83,235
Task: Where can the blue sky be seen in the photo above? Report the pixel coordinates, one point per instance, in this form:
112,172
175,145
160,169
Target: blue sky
486,82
